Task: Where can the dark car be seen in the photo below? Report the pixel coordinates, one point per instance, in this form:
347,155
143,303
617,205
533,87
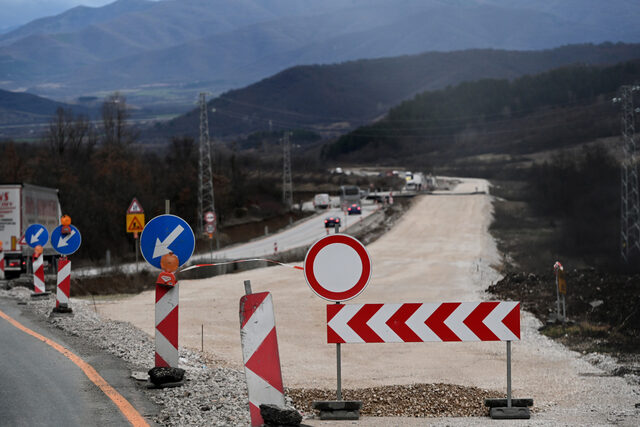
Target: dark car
331,221
354,210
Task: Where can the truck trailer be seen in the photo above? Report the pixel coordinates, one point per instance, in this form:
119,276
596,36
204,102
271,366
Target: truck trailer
22,205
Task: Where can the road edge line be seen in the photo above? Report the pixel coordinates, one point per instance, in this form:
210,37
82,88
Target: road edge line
127,409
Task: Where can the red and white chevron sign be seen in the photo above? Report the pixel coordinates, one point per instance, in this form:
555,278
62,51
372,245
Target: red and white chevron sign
416,322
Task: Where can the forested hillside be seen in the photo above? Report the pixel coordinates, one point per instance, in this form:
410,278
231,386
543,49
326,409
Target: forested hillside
335,98
551,110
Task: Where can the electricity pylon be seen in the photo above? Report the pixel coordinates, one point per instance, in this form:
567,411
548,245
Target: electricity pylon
629,194
205,173
287,185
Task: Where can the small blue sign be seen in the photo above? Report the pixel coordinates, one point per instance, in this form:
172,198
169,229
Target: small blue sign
36,234
67,243
165,234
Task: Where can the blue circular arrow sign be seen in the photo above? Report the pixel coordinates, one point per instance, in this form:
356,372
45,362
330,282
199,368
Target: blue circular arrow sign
36,234
164,234
66,244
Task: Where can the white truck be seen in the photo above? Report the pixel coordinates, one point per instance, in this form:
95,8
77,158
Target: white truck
321,201
20,206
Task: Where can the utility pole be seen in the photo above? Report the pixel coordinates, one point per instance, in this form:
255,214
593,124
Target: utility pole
205,173
287,185
629,200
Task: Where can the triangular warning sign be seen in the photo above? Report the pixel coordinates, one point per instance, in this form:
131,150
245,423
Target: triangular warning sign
135,207
22,240
135,225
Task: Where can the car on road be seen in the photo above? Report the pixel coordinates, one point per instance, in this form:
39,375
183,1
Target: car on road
331,222
354,209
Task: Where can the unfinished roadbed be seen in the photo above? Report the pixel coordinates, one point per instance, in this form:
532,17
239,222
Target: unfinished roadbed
439,251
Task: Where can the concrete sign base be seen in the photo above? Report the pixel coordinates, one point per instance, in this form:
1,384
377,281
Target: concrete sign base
338,409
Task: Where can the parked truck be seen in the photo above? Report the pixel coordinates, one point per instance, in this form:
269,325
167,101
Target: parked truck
321,201
20,206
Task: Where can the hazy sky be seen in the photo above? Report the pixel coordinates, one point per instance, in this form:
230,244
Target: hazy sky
18,12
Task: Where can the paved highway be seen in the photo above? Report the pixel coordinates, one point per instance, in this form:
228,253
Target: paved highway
41,387
300,234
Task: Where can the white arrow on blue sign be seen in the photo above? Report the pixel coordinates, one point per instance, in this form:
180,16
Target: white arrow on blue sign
36,234
165,234
66,244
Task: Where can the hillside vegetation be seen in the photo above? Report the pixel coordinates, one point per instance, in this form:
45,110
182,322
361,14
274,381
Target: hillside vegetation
551,110
332,99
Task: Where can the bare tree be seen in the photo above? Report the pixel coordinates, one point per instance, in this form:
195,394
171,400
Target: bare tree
66,135
115,116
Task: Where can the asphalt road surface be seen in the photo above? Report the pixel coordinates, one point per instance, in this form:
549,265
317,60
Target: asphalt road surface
302,234
41,387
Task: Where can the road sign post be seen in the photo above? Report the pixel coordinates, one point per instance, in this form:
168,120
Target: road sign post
210,228
167,235
135,223
65,239
338,268
1,262
36,236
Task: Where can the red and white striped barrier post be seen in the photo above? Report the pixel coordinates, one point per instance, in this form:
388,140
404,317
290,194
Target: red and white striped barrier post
260,352
1,262
166,336
64,282
38,274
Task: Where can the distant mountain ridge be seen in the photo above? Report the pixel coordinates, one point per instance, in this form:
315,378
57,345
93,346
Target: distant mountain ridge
332,99
75,19
181,47
18,108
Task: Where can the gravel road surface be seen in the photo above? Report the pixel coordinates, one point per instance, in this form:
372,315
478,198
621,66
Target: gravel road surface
439,251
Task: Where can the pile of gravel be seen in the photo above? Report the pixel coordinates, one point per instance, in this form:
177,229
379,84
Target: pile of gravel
414,400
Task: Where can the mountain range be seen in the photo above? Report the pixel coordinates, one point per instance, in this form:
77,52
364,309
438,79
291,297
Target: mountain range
167,51
332,99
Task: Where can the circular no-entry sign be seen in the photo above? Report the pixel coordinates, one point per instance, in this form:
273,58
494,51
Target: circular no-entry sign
337,267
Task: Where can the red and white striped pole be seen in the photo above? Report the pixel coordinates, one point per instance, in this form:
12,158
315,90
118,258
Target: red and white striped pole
260,352
64,282
166,336
1,262
38,274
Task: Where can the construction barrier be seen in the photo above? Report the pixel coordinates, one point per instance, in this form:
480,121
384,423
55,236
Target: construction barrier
38,274
166,336
441,322
64,282
260,353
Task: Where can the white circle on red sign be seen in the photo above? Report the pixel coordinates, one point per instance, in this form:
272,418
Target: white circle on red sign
337,267
210,217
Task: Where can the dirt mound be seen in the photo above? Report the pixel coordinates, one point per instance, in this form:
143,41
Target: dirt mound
603,309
